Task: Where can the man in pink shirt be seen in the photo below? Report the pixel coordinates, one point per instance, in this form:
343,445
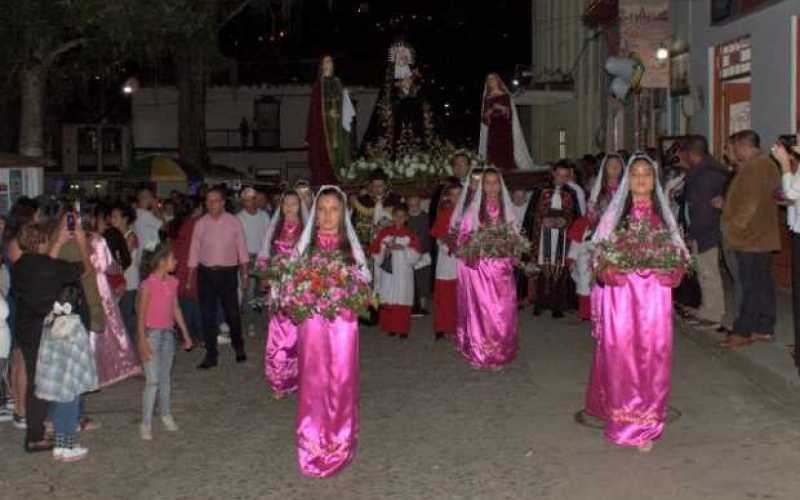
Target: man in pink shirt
218,255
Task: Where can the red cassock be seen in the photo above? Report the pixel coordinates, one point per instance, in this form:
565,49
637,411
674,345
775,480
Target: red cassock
444,288
575,234
396,288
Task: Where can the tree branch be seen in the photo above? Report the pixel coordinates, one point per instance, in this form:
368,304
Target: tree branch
50,58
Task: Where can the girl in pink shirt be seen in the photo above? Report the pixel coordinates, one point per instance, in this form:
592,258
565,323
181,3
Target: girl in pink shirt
158,311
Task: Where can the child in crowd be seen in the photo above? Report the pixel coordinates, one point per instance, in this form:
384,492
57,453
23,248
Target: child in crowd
396,250
65,369
444,289
579,260
419,222
158,311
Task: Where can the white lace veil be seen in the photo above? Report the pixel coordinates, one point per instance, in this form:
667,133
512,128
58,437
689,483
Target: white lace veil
471,213
616,209
266,247
305,239
597,188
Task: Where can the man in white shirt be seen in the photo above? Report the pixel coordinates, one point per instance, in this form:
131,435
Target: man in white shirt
148,219
255,223
787,156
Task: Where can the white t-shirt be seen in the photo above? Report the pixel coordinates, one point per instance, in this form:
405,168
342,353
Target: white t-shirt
146,227
255,229
5,332
132,277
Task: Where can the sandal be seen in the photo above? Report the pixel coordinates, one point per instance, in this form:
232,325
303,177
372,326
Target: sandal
735,342
87,424
763,337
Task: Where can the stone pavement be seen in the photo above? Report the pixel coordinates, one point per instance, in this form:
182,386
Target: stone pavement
431,428
770,365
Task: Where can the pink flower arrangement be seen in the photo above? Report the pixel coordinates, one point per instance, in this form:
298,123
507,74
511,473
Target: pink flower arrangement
496,241
639,247
321,284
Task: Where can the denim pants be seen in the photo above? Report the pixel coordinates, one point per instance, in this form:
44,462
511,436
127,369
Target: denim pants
65,417
157,372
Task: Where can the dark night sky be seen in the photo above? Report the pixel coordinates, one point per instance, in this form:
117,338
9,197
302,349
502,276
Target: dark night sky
457,43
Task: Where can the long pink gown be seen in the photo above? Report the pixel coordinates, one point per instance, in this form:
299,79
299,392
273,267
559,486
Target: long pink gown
114,355
633,357
327,410
280,356
486,330
595,394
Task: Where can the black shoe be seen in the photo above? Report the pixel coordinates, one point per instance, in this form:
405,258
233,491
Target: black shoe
537,311
41,446
558,314
403,336
207,363
391,334
241,357
439,336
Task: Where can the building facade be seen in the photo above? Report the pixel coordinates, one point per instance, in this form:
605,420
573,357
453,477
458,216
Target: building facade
567,95
742,67
259,131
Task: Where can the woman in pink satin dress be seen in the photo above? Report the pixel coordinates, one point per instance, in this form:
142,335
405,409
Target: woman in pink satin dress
634,330
114,354
280,356
327,410
608,179
486,331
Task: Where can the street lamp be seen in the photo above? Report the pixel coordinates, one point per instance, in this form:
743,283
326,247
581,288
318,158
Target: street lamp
130,86
662,53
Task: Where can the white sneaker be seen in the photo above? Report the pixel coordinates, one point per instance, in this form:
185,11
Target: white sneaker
169,423
146,432
6,415
58,453
74,454
224,328
223,339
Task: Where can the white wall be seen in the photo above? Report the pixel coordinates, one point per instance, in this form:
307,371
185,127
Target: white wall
558,40
155,112
770,35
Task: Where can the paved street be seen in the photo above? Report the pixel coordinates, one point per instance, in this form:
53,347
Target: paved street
431,428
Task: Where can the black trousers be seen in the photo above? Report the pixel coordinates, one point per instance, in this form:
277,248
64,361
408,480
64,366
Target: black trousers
758,311
796,295
35,408
220,286
552,289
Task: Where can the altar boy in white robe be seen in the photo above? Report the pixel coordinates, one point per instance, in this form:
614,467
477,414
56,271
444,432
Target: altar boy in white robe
396,251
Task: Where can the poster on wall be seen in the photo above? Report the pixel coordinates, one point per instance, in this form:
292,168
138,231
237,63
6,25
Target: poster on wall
739,117
644,28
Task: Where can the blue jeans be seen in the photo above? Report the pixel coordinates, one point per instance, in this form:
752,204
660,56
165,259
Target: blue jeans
157,372
65,417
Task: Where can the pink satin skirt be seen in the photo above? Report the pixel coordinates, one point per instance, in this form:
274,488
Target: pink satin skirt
327,409
635,364
487,331
280,356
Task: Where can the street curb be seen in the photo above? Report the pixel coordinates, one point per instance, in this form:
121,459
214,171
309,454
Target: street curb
773,381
